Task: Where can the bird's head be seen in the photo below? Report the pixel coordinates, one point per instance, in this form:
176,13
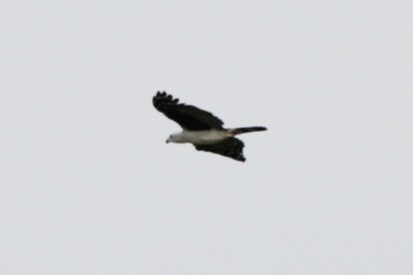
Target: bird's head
175,138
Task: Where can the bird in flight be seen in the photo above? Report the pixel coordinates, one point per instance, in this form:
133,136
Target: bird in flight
201,128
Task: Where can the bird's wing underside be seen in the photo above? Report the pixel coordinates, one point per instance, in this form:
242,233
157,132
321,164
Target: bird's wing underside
188,117
230,147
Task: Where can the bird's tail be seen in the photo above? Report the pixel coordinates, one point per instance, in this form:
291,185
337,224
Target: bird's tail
243,130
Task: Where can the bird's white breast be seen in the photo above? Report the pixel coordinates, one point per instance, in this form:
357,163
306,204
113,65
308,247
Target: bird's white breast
204,137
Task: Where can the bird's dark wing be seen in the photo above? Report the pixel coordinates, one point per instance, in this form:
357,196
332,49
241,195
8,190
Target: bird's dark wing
187,116
230,147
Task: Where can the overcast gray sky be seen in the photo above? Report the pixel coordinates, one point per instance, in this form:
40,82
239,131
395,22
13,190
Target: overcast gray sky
88,185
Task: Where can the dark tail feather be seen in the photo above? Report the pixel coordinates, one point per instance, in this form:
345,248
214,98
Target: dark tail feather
243,130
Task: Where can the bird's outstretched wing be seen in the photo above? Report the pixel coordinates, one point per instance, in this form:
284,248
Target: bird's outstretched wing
188,117
230,147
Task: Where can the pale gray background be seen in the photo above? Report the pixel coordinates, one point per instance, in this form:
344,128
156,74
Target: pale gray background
88,185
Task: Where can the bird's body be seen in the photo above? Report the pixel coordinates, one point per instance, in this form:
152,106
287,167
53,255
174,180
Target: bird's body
201,137
201,128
